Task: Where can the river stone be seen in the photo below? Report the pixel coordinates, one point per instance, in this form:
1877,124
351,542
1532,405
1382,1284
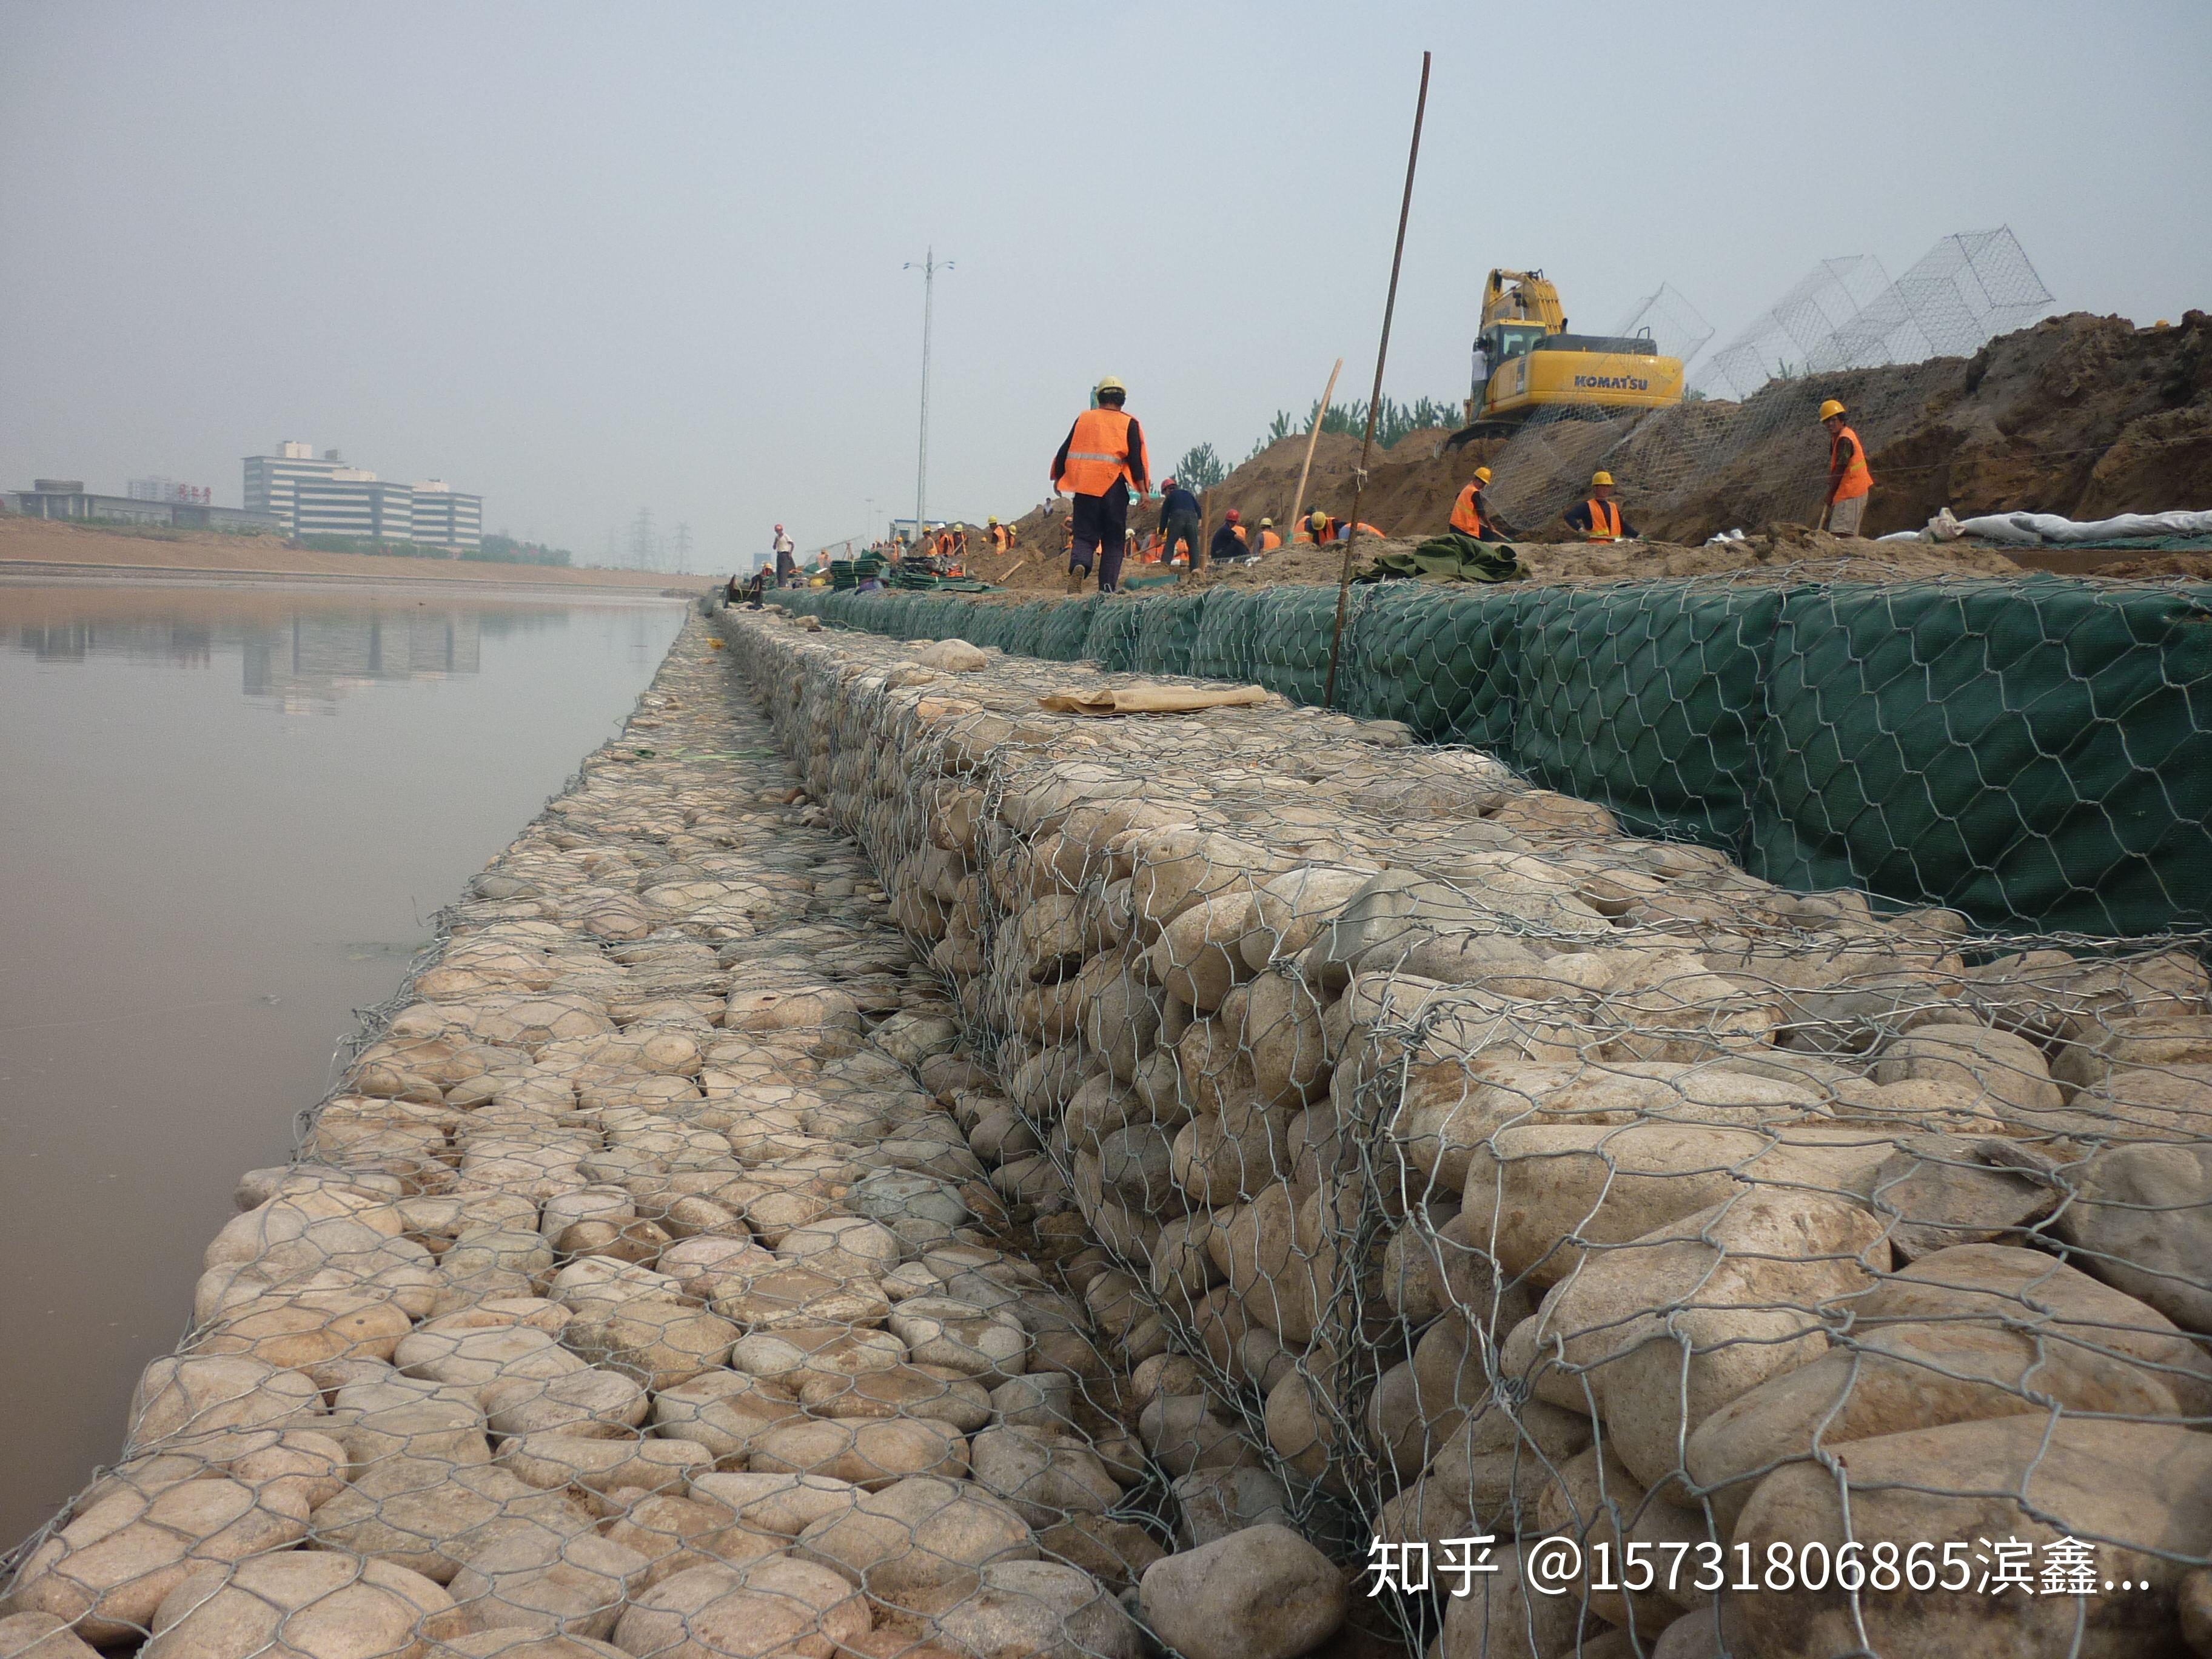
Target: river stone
511,1642
180,1397
941,1331
870,1452
111,1567
927,1391
792,1354
1043,1476
657,1344
841,1247
1038,1610
313,1604
480,1359
590,1402
41,1636
2146,1487
2143,1220
429,1515
920,1533
773,1606
1500,1619
554,1461
1260,1593
550,1585
1682,1320
1955,1189
2007,1070
1211,1504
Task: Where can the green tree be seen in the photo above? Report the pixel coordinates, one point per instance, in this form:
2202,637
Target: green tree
1200,468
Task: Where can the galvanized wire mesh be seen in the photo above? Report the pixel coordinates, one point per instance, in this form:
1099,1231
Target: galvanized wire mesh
1463,1168
1161,1161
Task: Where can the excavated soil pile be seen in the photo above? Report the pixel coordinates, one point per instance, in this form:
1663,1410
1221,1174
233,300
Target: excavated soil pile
2083,415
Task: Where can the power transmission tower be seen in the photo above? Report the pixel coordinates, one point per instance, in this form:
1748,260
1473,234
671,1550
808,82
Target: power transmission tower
929,268
642,548
683,549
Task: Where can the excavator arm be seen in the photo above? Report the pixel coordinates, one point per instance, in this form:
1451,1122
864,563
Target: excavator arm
1512,296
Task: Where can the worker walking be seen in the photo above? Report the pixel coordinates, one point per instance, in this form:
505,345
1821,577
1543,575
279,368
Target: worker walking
1178,519
786,569
1102,459
1471,514
1849,479
1599,518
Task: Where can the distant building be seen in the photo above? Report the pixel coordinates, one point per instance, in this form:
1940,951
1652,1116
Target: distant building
445,517
316,495
355,504
68,498
169,489
271,480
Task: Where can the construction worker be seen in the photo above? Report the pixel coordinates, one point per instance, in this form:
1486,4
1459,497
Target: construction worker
1229,544
1344,529
785,568
1317,528
960,541
1178,519
1102,459
1599,518
1849,479
1269,541
1471,514
1001,539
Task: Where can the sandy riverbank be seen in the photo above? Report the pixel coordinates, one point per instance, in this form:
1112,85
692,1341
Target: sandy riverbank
37,547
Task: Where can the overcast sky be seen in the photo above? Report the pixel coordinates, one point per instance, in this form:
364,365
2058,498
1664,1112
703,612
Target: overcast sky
584,258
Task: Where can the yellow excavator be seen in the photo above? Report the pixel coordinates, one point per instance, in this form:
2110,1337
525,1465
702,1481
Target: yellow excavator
1526,362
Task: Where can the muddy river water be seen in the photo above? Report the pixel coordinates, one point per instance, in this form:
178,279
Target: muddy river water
227,818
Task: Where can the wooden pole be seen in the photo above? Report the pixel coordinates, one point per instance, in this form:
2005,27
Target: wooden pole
1205,531
1298,501
1374,400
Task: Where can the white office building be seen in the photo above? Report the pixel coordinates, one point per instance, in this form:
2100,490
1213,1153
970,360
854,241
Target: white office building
272,480
316,495
353,503
446,517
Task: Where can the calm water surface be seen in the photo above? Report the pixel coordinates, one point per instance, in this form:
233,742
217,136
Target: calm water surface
226,817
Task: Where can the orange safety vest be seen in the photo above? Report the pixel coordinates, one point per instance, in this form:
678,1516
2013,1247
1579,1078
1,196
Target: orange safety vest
1466,517
1605,521
998,537
945,545
1237,531
1856,479
1269,541
1098,454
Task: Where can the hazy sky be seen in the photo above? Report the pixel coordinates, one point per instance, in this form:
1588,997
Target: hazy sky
587,258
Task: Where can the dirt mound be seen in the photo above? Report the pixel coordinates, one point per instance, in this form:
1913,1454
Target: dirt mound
2081,414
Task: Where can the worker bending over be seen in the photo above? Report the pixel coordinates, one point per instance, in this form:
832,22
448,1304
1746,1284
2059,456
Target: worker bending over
1229,545
1178,519
1600,519
1318,527
1100,460
1849,479
1471,514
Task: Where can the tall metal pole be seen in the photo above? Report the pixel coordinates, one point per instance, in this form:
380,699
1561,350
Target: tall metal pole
1375,400
921,458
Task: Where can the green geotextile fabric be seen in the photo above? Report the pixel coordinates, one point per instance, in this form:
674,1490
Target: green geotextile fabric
2035,752
1450,557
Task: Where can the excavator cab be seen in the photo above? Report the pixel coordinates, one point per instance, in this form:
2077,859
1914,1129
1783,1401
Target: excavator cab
1526,361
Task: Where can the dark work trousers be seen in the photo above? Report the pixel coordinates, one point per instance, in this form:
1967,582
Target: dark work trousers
1101,523
1178,526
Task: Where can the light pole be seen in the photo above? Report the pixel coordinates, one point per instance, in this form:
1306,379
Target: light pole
929,269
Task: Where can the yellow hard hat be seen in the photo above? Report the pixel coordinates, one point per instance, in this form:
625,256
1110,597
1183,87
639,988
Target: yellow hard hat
1316,517
994,518
1597,478
1831,408
1111,383
1483,473
1266,524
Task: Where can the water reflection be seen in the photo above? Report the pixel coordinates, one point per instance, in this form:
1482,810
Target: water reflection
194,897
297,652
